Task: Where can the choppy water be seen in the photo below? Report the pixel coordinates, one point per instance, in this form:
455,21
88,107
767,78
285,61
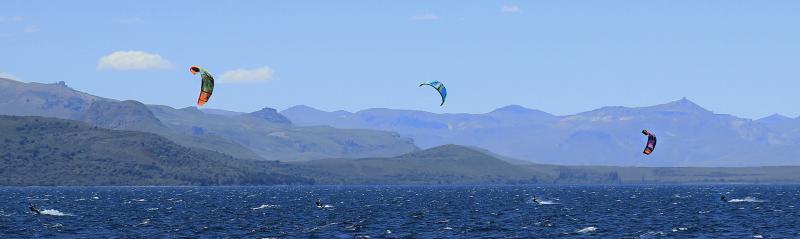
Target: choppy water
754,211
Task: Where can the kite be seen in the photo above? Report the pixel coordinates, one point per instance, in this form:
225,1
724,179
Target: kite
439,87
651,142
207,85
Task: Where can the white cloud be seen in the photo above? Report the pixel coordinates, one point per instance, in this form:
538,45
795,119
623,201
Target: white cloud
132,60
425,17
509,9
9,76
247,75
31,29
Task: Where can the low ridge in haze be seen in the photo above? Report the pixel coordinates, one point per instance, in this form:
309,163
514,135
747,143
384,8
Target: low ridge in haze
688,134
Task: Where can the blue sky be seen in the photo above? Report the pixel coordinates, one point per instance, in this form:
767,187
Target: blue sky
563,57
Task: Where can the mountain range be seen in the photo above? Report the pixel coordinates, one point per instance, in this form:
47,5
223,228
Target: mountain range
261,135
43,151
688,134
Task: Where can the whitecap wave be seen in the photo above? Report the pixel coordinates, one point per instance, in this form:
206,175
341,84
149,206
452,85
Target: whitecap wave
746,199
587,230
144,222
53,212
548,202
682,196
542,201
323,226
264,206
650,234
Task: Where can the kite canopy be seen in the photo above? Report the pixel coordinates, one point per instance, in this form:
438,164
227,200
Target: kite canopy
194,69
651,142
206,85
439,87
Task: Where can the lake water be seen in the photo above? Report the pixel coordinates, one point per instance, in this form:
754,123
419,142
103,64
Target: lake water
645,211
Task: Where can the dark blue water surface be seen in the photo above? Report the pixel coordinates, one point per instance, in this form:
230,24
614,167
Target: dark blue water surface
768,211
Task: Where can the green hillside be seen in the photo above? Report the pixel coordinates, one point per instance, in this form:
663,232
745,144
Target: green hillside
453,164
47,151
272,137
449,164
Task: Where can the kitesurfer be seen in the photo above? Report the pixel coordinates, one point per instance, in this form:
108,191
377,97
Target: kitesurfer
206,86
439,88
722,198
651,142
319,203
34,209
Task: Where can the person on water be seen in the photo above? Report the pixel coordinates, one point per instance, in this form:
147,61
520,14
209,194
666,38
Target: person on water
722,198
34,209
535,200
319,203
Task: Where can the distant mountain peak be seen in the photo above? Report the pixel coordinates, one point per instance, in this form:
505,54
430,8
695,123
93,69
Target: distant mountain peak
518,109
301,107
271,115
774,118
685,102
681,105
512,109
777,116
